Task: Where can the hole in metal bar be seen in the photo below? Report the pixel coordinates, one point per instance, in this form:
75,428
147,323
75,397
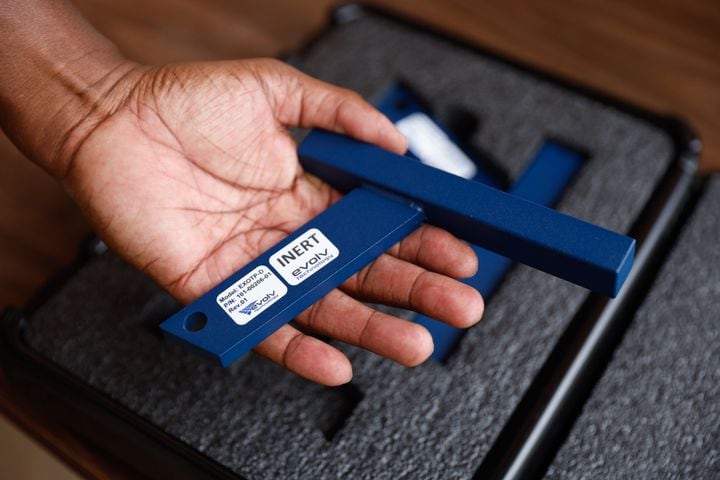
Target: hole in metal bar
195,322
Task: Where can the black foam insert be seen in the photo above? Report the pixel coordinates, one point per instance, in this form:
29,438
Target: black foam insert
393,422
656,411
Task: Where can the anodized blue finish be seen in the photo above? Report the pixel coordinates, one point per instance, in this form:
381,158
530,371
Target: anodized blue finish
543,181
362,225
572,249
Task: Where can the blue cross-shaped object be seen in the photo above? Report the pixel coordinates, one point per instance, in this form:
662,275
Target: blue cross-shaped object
546,177
387,197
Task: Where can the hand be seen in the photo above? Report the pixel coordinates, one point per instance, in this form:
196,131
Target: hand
188,172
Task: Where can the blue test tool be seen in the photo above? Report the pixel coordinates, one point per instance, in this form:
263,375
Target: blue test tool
387,197
544,180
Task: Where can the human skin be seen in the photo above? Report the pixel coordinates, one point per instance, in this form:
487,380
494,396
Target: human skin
188,172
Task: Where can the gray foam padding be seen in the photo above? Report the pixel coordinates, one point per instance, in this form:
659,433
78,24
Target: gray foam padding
656,411
428,422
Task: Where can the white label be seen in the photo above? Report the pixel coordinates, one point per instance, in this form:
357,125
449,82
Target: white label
304,256
433,146
251,295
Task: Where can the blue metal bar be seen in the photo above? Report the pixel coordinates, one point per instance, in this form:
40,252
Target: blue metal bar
273,289
572,249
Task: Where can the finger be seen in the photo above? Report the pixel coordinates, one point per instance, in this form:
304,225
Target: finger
437,250
391,281
306,356
303,101
341,317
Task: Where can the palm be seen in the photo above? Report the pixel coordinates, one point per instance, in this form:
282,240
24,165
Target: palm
208,185
193,174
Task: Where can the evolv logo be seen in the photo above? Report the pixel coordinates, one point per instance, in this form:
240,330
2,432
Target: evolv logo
249,309
258,304
303,257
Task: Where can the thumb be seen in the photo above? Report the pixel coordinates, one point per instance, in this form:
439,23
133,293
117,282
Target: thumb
302,101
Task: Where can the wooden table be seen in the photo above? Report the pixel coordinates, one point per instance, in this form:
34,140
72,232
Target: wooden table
661,54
